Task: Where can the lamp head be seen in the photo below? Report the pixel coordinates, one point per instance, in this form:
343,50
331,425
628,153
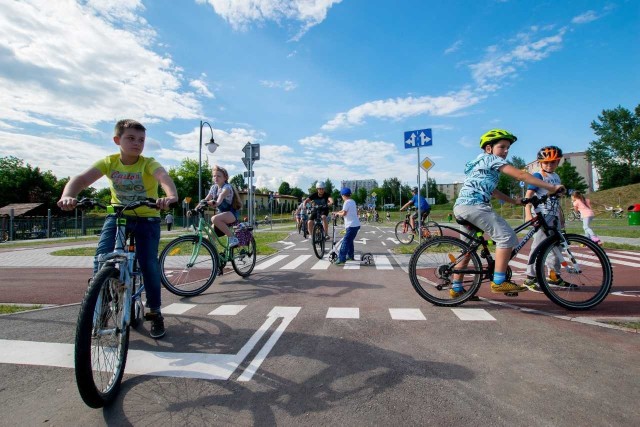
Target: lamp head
212,146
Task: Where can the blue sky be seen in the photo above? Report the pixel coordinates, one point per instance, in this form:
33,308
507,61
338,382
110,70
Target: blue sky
326,87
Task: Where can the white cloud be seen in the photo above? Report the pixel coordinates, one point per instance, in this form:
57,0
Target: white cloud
201,86
453,47
286,85
61,61
241,13
400,108
585,18
498,65
65,157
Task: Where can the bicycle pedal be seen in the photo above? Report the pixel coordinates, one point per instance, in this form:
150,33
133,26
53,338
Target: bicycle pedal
511,294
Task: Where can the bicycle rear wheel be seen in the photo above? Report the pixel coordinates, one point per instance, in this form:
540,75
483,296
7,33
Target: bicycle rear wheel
318,240
433,265
102,341
583,275
188,268
433,229
404,233
243,258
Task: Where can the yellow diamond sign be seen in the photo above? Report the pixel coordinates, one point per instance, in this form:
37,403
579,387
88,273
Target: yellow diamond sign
426,164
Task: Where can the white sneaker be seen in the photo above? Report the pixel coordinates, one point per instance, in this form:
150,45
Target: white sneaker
233,241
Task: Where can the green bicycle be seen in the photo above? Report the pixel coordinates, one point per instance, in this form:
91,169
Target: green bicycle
189,264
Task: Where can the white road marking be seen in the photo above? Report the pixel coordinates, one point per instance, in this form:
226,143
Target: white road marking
288,314
382,262
177,308
352,265
322,264
343,313
472,314
227,310
295,263
406,314
270,262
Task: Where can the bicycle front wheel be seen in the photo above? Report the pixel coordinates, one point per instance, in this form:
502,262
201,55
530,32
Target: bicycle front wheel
404,234
102,339
243,258
578,277
318,240
432,268
188,268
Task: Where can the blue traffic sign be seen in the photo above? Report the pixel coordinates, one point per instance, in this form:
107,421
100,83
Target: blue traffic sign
418,138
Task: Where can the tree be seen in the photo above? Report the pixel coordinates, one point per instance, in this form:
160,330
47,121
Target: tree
20,183
296,192
239,182
391,188
185,177
618,144
509,185
570,178
284,188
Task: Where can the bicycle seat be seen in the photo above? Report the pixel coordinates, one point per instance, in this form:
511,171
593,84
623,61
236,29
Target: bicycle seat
468,224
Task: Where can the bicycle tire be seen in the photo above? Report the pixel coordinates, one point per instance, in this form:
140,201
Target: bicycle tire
404,234
136,306
318,240
98,382
433,229
300,227
431,271
178,275
593,278
243,258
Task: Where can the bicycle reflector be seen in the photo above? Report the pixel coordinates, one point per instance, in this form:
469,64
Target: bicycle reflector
451,257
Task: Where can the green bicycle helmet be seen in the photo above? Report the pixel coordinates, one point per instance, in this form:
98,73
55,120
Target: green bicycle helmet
495,135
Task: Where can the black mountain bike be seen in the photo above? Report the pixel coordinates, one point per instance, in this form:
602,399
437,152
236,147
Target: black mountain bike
584,267
318,236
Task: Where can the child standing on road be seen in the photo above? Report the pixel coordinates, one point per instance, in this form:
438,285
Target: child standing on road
350,214
548,159
131,177
473,203
582,205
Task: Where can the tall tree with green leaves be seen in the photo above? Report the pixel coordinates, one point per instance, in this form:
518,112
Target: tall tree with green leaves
392,188
618,144
284,188
570,178
239,182
185,176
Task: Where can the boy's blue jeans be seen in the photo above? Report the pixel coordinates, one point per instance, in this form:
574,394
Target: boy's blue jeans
346,250
147,238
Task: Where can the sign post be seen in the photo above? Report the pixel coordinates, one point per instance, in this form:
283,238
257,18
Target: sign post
251,154
416,139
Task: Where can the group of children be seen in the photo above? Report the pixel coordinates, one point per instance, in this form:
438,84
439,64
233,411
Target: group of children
134,177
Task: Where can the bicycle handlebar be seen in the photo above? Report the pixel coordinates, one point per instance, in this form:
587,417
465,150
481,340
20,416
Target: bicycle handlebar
88,203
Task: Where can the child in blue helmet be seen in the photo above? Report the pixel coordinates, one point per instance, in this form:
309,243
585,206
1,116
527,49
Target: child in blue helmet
352,224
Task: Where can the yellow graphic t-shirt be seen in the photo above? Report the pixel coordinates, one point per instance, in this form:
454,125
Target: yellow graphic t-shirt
131,182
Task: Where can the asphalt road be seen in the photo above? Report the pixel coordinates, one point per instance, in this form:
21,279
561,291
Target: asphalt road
301,342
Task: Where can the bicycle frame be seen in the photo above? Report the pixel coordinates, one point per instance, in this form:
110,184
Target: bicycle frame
536,223
208,230
124,255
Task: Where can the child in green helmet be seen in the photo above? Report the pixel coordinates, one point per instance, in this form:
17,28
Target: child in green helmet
473,203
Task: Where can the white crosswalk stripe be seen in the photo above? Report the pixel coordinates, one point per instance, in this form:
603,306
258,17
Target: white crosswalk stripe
296,262
466,314
270,262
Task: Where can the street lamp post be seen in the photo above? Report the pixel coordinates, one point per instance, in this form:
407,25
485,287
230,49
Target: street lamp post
211,146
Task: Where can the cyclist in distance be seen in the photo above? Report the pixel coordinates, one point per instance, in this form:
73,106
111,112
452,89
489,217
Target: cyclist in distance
417,200
323,201
131,177
548,159
473,203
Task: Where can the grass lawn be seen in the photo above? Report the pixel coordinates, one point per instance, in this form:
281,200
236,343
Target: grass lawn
12,308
